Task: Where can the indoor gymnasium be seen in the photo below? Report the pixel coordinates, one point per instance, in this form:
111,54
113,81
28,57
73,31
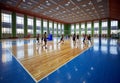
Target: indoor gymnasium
59,41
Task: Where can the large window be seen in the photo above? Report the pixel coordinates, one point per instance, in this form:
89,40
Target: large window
50,27
89,28
96,28
77,28
44,25
30,25
55,28
62,28
104,28
83,28
114,27
19,25
59,29
6,23
72,28
38,26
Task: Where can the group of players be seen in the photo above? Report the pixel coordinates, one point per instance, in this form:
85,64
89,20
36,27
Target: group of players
75,38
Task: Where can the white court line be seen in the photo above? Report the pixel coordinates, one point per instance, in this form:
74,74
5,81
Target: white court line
63,64
23,66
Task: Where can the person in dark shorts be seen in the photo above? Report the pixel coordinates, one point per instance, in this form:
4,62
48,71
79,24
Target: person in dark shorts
89,38
45,39
62,39
74,39
77,37
42,38
38,38
84,38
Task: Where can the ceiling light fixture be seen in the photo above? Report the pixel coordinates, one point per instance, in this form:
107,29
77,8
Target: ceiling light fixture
23,0
78,0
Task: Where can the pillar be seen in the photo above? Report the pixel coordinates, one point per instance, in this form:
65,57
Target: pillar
109,28
100,28
34,24
92,27
13,24
25,25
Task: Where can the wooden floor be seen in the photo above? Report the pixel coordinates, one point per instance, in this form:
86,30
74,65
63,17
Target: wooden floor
40,61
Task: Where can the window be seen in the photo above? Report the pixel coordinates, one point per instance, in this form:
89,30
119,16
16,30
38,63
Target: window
59,29
6,23
72,29
77,28
30,25
96,28
44,25
55,28
50,27
88,28
114,23
104,27
38,26
83,28
62,28
20,25
104,24
114,27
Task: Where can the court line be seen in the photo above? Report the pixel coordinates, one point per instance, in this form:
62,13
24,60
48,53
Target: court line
23,66
64,64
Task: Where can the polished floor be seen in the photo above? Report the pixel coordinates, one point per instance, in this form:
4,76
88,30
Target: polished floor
98,64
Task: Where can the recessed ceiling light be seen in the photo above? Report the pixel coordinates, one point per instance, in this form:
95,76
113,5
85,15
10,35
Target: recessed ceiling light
102,10
23,0
57,8
63,11
93,8
90,12
87,9
48,4
67,4
29,3
40,7
90,3
24,7
84,5
73,9
102,13
46,1
99,1
100,6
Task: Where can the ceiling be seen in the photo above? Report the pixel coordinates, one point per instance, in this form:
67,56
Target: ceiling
66,11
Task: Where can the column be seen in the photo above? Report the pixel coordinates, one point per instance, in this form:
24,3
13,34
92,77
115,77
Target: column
0,24
34,22
75,28
42,27
92,27
119,28
13,24
109,27
100,28
57,29
80,29
25,25
48,27
85,27
53,28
